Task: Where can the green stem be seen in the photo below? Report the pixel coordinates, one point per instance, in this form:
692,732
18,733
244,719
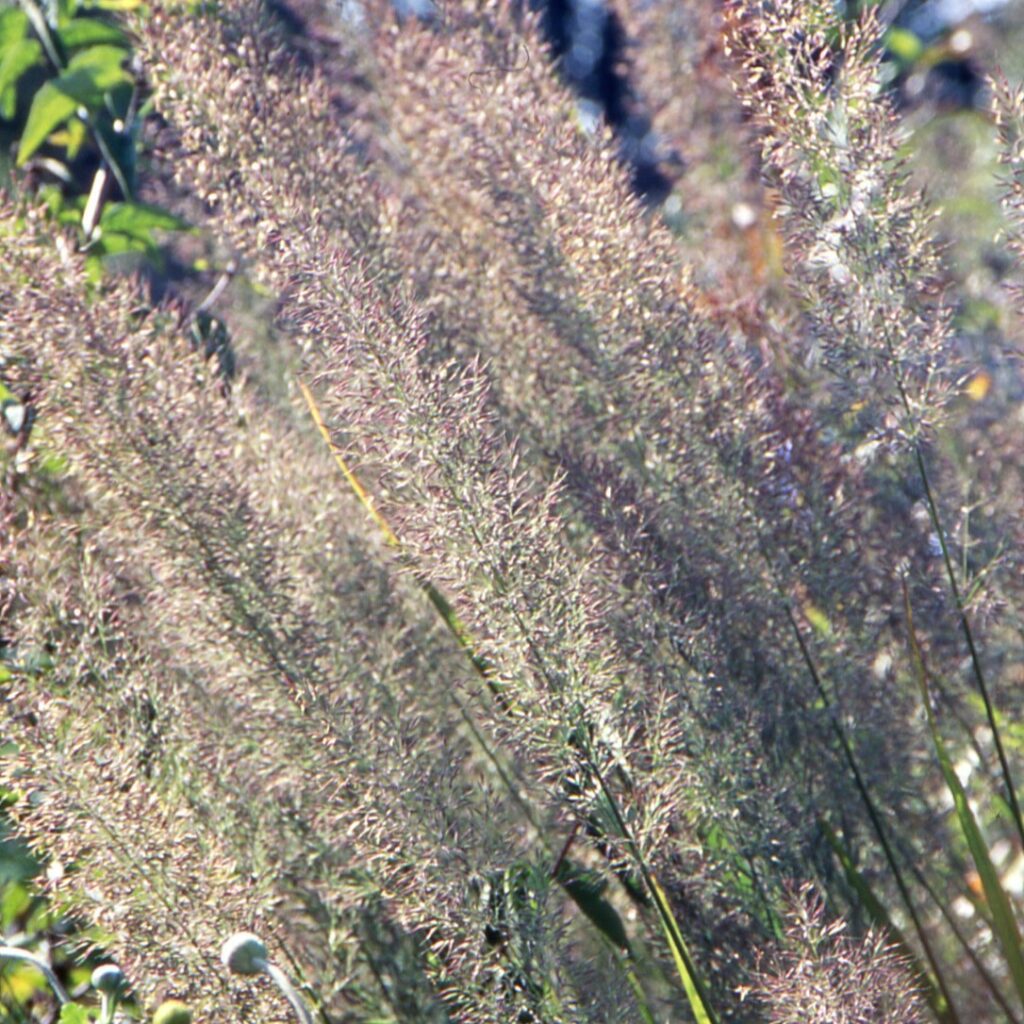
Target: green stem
873,815
282,981
14,953
965,625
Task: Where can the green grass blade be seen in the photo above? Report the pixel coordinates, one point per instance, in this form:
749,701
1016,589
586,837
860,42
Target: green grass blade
880,917
696,993
1004,922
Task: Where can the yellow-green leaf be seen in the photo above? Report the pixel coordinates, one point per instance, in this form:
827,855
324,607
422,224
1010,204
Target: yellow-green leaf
15,61
89,75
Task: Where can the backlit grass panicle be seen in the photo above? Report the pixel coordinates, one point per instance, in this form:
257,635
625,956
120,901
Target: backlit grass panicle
526,608
468,519
226,638
1008,112
859,238
666,436
822,976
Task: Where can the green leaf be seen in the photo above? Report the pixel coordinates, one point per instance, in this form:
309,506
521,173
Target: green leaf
16,60
13,26
66,10
50,108
103,62
89,75
112,242
72,1013
90,32
137,220
586,888
693,986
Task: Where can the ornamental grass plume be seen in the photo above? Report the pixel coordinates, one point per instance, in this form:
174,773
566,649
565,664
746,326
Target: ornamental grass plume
639,403
471,524
859,236
672,538
673,437
180,606
822,976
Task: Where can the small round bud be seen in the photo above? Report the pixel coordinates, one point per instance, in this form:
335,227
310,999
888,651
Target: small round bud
244,953
108,979
172,1011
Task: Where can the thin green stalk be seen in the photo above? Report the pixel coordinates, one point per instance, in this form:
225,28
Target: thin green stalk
965,945
436,598
880,916
1004,922
876,821
965,625
696,992
693,986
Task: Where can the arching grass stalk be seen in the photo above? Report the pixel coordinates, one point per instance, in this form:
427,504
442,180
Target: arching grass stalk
245,954
695,989
965,626
1004,921
881,917
13,953
436,598
940,999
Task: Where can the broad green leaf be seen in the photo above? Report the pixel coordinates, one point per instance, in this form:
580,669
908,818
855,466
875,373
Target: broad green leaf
90,73
90,32
66,10
16,60
104,62
50,108
112,242
72,1013
138,220
13,26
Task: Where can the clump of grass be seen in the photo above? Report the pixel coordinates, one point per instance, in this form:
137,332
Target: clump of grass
621,612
